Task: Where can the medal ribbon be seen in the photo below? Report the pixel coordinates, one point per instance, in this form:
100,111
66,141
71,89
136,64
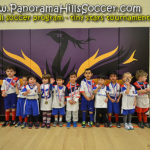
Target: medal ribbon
74,91
114,91
88,86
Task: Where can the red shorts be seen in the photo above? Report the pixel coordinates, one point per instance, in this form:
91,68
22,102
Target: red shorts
141,110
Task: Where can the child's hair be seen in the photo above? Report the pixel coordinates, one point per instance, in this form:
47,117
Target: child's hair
73,73
88,69
24,77
59,77
46,76
140,73
101,76
10,67
31,76
127,73
113,73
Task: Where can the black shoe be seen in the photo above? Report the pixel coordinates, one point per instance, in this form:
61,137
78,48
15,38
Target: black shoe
106,124
37,125
5,124
30,125
48,125
12,123
97,124
109,124
147,125
118,125
140,124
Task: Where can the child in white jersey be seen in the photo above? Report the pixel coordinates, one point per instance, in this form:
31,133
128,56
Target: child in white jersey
58,103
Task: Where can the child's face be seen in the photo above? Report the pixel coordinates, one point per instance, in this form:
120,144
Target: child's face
10,73
101,81
45,81
24,80
113,77
127,78
32,80
60,82
73,78
88,74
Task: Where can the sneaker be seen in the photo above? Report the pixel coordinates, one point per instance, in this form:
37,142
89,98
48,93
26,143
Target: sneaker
97,124
106,124
110,124
126,126
30,125
37,125
130,126
43,125
147,125
68,125
118,125
5,124
61,124
83,124
55,124
74,124
48,125
91,124
140,124
12,123
18,124
24,125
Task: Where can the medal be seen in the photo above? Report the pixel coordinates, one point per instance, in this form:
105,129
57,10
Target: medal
46,102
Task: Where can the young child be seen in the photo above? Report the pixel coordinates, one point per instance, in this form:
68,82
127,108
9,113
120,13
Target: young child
58,104
113,93
72,97
142,106
101,101
87,99
20,103
128,100
46,100
32,104
9,93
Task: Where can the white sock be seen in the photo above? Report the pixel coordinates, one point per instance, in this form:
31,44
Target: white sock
56,119
60,119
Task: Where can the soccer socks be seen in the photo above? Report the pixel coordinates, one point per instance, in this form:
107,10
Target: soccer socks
20,119
139,117
60,119
44,117
7,114
116,117
130,118
48,117
109,117
25,119
92,117
144,117
83,116
125,119
13,115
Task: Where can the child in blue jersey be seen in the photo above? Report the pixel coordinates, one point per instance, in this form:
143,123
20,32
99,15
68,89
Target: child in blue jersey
46,100
87,98
20,103
9,93
31,103
113,93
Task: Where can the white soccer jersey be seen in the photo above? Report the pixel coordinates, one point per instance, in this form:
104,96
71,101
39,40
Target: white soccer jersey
9,85
100,97
33,92
128,99
87,87
113,90
58,97
22,89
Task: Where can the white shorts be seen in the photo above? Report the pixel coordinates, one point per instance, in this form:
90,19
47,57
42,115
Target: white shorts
46,106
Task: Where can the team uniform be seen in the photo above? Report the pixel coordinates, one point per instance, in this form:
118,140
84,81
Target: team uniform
87,88
128,107
142,106
100,104
72,92
10,100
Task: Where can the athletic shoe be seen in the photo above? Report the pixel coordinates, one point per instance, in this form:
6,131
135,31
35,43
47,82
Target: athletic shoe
91,124
37,125
43,125
5,124
106,124
74,124
68,124
110,124
147,125
24,125
18,124
48,125
30,125
83,124
97,124
61,124
140,124
12,123
118,125
126,126
55,124
130,126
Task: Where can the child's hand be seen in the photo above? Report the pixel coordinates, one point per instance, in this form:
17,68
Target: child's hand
74,102
118,100
71,102
4,94
148,89
65,103
106,100
88,98
52,80
92,97
134,103
112,100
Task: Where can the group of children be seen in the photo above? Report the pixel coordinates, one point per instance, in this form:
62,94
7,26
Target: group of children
59,100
